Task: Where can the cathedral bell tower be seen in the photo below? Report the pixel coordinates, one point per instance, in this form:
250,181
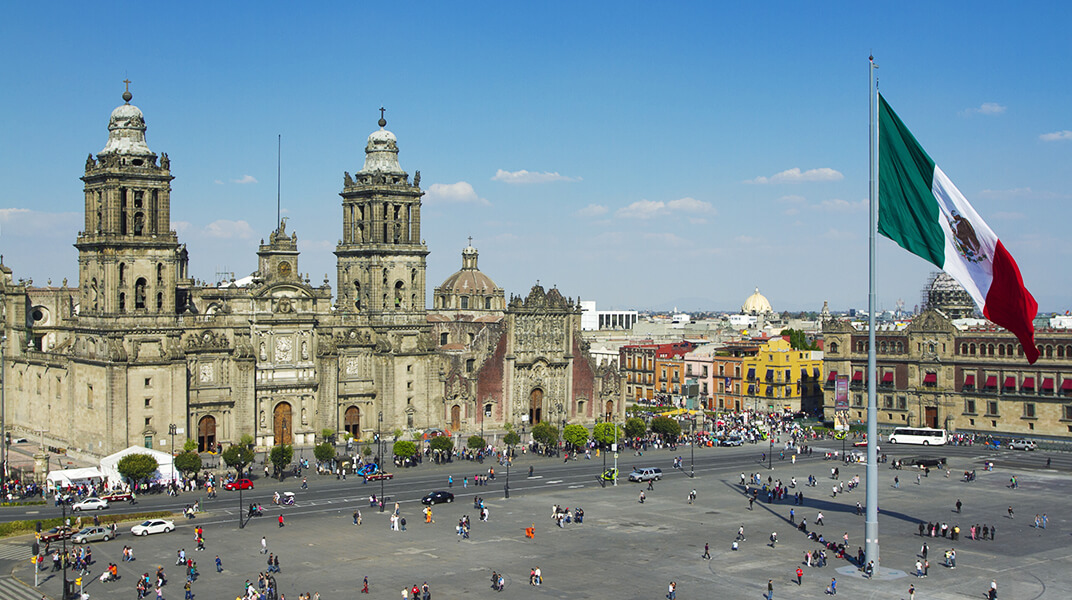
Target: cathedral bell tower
129,260
381,257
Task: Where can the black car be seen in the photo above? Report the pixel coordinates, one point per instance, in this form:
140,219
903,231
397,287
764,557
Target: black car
437,497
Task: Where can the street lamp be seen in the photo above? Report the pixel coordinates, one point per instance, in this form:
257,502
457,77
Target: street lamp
770,453
692,449
379,447
509,459
63,523
3,420
171,431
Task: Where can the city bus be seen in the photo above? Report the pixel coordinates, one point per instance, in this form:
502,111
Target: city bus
919,435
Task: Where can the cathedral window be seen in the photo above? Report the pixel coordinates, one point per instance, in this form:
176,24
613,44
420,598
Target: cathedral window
153,208
357,295
469,364
399,298
139,223
139,294
160,274
122,302
89,395
159,301
487,303
465,302
138,198
122,273
122,211
444,338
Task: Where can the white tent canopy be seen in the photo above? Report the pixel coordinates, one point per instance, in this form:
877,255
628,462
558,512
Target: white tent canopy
165,472
65,477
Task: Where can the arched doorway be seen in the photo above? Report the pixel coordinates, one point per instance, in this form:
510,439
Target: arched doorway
283,424
352,421
455,418
535,406
206,434
609,412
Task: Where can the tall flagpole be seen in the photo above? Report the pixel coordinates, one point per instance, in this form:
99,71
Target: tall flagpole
871,520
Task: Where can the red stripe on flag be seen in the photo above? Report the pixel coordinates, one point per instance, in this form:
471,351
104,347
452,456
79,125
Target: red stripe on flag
1009,304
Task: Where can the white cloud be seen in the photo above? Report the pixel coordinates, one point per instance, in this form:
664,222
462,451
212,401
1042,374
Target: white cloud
218,182
747,239
245,179
180,227
461,192
647,209
29,223
1024,192
225,229
1057,136
987,108
795,175
836,235
592,210
669,239
524,176
839,205
793,199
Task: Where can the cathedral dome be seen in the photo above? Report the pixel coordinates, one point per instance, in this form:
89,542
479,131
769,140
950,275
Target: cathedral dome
126,130
381,152
756,304
469,288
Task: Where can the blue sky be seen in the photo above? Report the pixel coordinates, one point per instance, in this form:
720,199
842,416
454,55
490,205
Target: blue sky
639,154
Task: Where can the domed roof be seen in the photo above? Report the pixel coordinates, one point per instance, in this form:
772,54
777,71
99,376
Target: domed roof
126,130
756,304
381,152
470,280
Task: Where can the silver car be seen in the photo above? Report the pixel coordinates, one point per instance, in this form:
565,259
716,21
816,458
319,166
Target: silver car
1023,445
93,534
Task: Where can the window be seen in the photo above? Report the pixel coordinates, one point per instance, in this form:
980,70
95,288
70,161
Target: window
472,337
902,403
1029,410
148,382
444,338
464,301
887,402
409,368
992,408
89,395
857,400
833,347
969,407
409,385
469,364
705,371
148,421
1068,413
148,403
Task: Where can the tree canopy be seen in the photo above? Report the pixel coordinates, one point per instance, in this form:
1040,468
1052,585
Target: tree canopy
281,455
665,427
545,433
137,467
798,340
324,452
238,457
405,448
635,427
476,442
190,446
512,438
607,433
575,435
188,463
441,443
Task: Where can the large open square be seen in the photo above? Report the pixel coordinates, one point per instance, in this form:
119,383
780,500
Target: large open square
625,549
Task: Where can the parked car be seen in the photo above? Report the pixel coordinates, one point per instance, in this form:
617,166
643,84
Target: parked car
241,484
90,504
117,497
153,526
380,475
437,497
56,534
1023,445
730,441
93,534
646,474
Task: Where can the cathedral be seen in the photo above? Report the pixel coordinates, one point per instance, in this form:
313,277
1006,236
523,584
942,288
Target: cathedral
139,352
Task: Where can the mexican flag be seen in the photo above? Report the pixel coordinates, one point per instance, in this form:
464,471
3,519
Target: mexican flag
921,210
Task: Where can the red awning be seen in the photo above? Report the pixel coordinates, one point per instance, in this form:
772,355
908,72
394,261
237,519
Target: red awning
1010,382
1047,384
930,378
1066,386
858,376
1029,383
992,381
833,376
969,380
887,377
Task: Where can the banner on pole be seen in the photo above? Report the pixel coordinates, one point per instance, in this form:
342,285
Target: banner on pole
841,403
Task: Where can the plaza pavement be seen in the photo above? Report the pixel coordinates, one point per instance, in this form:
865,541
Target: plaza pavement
629,550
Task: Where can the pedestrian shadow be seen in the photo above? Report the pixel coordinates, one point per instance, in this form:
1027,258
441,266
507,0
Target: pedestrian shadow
819,503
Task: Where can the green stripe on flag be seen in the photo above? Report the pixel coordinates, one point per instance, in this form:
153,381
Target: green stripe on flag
908,212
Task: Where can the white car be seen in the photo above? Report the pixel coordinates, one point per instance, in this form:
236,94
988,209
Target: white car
153,526
90,504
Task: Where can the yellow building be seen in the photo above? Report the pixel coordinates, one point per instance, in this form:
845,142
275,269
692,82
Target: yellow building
779,377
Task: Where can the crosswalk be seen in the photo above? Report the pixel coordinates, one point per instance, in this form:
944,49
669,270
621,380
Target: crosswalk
10,589
15,552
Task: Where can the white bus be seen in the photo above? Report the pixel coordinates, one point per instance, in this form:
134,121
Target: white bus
919,435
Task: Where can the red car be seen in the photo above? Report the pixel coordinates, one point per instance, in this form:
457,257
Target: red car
116,497
56,534
241,484
379,476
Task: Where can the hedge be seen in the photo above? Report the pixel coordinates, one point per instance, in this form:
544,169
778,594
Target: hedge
20,527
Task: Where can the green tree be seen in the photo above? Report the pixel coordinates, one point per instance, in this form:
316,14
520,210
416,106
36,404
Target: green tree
281,455
635,427
798,340
246,440
545,433
575,435
404,449
398,434
188,463
137,467
189,446
328,435
324,452
607,433
512,438
367,450
441,443
238,457
665,427
476,442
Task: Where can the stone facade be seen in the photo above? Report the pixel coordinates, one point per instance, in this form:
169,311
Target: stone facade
138,349
962,375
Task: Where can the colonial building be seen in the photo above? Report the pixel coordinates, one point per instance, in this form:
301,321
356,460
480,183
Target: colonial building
959,374
780,377
138,351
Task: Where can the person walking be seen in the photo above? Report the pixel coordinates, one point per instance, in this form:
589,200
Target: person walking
1011,516
958,505
706,551
833,587
264,545
896,481
770,589
281,519
671,592
364,588
911,592
819,518
219,564
923,550
800,576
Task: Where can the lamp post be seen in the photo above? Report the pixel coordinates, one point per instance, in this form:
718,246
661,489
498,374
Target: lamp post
509,459
770,453
171,431
63,509
379,447
3,420
692,449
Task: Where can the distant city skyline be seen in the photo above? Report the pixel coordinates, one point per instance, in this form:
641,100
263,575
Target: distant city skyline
641,156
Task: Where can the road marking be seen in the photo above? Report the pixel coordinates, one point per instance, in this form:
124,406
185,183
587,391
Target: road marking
573,487
553,481
11,588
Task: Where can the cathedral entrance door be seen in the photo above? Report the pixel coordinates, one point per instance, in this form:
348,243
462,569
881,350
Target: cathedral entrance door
609,413
931,417
283,423
206,434
455,418
535,406
352,421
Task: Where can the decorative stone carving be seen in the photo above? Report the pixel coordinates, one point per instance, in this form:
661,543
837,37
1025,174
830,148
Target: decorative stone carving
347,180
207,372
353,365
284,305
165,162
284,350
305,350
